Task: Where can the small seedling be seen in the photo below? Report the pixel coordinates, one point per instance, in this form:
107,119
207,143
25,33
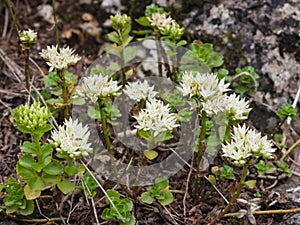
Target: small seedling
124,206
263,168
159,191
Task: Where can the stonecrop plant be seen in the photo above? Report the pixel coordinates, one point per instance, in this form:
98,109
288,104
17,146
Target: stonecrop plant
56,157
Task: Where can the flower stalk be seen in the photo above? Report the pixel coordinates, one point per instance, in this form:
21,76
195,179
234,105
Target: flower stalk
109,148
200,152
234,197
65,93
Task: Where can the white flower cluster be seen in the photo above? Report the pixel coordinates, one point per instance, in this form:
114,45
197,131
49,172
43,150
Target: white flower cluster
98,86
120,19
206,91
166,25
72,138
160,21
140,90
28,37
246,144
236,108
156,117
59,59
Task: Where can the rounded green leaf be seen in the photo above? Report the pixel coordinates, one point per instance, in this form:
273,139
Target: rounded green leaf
168,199
66,186
36,183
28,209
25,173
26,160
146,197
28,147
150,154
54,168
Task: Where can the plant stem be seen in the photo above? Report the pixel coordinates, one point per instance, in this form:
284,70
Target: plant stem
15,218
278,127
174,72
109,149
234,197
123,70
16,24
290,150
158,46
143,162
28,74
264,212
55,25
65,94
200,152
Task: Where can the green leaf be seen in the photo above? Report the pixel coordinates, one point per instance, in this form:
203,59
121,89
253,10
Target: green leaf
163,136
28,209
250,183
143,21
227,172
130,220
263,168
287,110
284,168
36,183
181,43
45,128
26,161
25,173
114,37
114,195
28,147
212,179
30,194
146,197
106,215
51,179
54,168
167,199
145,134
161,183
51,80
11,209
142,32
257,194
71,170
93,112
66,186
129,53
150,154
38,166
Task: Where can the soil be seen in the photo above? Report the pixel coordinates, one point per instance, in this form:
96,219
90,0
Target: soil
73,19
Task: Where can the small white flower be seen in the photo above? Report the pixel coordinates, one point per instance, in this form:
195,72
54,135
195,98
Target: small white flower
237,108
246,144
140,90
28,37
98,86
72,138
156,117
161,21
206,90
59,60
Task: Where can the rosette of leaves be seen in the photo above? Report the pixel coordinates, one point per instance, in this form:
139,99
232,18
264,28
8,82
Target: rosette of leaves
201,58
15,198
159,191
124,207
